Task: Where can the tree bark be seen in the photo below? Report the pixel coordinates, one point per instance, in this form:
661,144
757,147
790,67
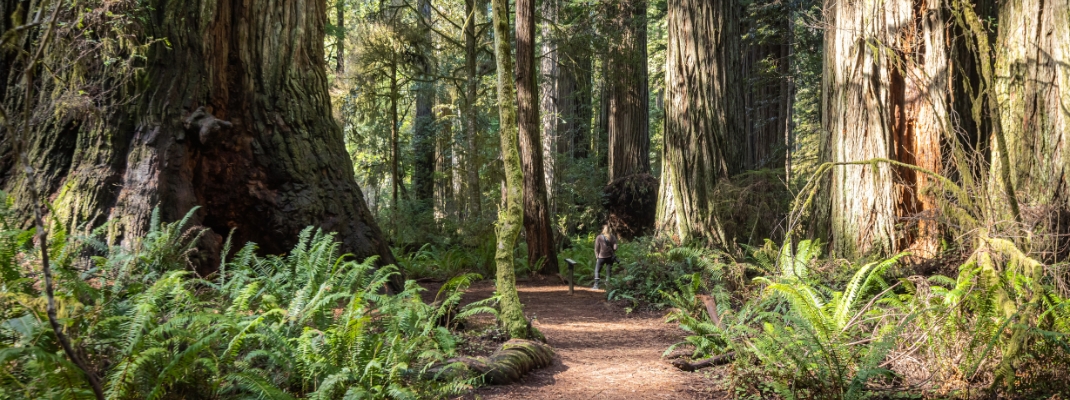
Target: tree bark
444,198
626,95
234,117
879,106
423,143
472,164
764,97
703,93
511,215
340,46
537,226
1032,91
549,98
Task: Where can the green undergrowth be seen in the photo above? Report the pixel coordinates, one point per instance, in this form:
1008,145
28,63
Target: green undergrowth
825,329
309,324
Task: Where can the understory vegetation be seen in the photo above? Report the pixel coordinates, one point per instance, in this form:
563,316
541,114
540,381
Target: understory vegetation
309,324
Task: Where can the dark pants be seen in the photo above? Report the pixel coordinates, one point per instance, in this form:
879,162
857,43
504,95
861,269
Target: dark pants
599,263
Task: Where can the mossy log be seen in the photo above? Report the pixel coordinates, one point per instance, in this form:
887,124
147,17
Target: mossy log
709,362
512,361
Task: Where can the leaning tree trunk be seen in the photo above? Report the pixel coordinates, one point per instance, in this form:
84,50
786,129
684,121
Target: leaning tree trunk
511,216
1032,90
537,226
626,94
423,142
702,104
883,100
233,117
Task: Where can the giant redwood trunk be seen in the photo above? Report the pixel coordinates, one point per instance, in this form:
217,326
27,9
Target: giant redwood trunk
1032,86
231,113
538,229
702,113
885,97
627,92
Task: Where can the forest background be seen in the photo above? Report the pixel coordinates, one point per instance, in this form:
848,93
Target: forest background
874,193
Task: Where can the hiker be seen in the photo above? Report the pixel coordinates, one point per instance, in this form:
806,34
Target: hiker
605,250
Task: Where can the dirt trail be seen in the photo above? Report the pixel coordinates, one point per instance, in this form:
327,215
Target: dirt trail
602,352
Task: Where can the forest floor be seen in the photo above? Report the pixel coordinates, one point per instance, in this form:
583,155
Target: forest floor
602,351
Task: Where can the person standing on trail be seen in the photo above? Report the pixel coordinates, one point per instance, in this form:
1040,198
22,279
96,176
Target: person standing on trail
605,251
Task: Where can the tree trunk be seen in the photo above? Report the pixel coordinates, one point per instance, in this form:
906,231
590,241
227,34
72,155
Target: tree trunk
1032,90
340,46
444,200
574,96
550,99
626,94
764,97
511,215
878,106
703,92
233,117
537,226
423,143
395,174
471,157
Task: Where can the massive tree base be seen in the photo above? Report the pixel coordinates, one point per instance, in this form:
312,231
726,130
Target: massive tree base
631,203
512,361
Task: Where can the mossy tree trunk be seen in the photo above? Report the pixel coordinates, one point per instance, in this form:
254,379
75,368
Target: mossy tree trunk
703,109
885,96
231,113
538,229
511,215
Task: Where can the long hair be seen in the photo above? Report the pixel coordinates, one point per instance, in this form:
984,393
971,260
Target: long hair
607,231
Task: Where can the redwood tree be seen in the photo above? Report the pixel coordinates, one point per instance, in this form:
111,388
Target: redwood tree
885,91
423,136
537,226
1032,94
230,113
703,110
627,92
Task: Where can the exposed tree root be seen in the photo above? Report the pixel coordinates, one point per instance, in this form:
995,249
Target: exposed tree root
709,362
512,361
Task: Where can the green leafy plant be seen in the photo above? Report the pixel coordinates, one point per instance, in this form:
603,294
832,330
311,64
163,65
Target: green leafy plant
312,323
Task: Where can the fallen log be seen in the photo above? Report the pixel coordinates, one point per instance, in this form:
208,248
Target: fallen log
709,362
512,361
